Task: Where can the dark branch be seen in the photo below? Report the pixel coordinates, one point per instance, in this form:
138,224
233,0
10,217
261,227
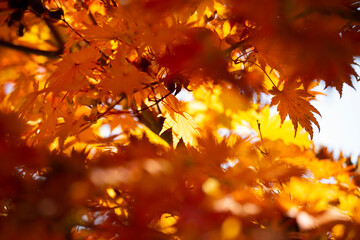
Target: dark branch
51,54
56,35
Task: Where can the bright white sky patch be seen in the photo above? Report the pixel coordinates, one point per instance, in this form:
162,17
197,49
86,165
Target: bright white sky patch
340,121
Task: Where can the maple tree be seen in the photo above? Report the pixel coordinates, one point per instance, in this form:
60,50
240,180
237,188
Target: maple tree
148,119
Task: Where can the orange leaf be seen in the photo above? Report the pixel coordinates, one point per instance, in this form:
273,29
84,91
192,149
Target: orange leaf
294,102
72,72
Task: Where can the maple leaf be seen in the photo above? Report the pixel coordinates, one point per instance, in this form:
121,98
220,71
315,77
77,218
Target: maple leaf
73,70
270,130
293,101
311,46
122,62
183,126
198,51
123,78
104,33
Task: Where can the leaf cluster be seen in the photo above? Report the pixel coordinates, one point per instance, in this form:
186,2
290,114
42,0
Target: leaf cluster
149,120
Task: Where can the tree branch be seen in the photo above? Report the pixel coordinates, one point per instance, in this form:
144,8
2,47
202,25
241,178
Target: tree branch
46,53
56,34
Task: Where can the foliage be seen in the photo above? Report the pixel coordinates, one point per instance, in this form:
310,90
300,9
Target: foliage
193,149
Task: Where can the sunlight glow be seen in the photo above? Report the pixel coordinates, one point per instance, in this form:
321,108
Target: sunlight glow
340,129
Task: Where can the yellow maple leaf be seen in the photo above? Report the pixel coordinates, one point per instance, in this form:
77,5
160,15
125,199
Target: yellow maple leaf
183,126
313,196
247,122
350,205
270,129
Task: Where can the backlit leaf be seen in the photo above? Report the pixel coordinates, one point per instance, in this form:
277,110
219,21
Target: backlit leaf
292,101
183,127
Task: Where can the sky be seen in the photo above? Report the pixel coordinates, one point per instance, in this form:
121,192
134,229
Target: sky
339,121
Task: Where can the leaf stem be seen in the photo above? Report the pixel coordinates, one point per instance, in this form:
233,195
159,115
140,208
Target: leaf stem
157,101
266,74
87,125
83,38
108,110
264,153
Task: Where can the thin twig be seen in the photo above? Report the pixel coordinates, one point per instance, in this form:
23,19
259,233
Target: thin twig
83,38
75,31
264,153
235,46
108,111
142,109
87,125
267,75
